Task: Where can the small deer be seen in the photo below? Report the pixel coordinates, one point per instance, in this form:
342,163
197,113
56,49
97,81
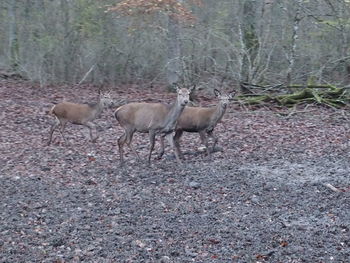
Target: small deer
80,114
151,118
201,120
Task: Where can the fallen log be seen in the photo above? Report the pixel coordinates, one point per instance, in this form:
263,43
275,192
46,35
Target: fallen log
329,95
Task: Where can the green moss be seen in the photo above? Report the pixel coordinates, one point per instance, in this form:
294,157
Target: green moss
328,95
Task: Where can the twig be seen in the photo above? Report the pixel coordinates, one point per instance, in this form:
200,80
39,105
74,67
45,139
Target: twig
334,189
87,74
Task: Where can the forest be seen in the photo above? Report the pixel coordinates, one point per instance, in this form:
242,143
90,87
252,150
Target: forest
270,80
259,42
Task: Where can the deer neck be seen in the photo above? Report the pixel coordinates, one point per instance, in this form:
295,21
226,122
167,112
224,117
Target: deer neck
97,108
217,115
172,117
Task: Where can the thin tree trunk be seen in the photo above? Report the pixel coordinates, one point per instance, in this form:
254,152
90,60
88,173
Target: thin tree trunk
174,67
291,56
250,40
66,60
13,38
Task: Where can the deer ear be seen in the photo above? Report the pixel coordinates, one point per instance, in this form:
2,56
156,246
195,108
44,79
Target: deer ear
176,86
217,92
193,88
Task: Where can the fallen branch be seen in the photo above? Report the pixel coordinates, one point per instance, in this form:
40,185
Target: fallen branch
87,74
334,189
328,95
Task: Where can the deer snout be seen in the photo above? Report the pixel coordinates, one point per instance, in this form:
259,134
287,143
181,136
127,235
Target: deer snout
184,102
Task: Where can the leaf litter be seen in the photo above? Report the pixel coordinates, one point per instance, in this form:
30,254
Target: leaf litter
262,198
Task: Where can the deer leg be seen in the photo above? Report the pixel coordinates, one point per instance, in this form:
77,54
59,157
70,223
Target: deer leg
176,145
152,138
205,141
121,142
129,135
53,128
91,127
215,140
63,126
162,146
126,138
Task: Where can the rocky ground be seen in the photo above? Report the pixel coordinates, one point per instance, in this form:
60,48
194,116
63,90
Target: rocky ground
278,192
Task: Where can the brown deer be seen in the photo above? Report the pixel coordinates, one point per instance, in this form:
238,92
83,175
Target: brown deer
81,114
151,118
201,120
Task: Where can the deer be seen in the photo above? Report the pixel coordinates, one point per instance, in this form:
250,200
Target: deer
202,120
152,118
80,114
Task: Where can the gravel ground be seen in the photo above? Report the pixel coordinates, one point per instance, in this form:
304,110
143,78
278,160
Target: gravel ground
267,197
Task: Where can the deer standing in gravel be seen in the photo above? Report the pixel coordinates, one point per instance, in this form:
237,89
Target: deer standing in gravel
201,120
80,114
151,118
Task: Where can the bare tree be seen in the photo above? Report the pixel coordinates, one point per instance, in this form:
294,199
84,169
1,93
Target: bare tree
13,38
174,63
291,49
260,42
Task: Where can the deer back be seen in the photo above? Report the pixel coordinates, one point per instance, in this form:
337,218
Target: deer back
75,113
142,116
195,118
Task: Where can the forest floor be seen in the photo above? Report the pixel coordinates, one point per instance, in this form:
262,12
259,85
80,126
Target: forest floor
278,192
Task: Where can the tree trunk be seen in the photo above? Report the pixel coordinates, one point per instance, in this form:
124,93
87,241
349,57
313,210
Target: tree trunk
66,60
250,39
13,38
174,65
292,52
